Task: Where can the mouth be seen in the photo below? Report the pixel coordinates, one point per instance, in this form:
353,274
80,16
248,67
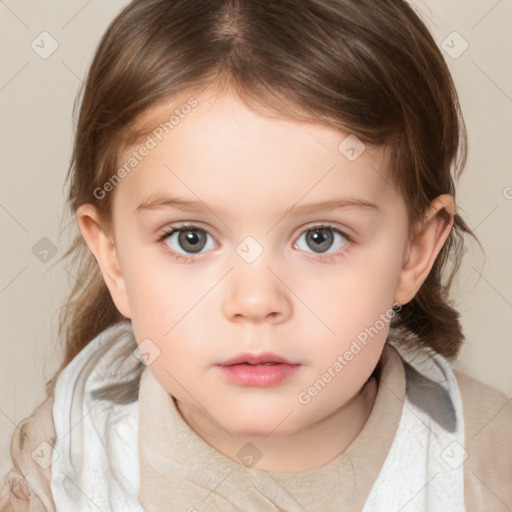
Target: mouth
258,370
259,364
257,360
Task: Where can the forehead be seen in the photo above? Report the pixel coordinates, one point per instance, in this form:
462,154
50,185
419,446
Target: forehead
222,150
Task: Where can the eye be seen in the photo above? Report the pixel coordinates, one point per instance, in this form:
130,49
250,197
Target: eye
183,242
322,238
187,240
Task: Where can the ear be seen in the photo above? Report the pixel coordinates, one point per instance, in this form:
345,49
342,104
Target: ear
97,237
427,240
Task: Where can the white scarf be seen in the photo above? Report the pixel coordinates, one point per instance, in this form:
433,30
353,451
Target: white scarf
424,467
95,464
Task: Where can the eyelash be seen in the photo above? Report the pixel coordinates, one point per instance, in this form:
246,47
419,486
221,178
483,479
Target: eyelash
187,259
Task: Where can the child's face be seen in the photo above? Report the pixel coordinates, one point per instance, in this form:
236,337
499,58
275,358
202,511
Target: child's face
256,284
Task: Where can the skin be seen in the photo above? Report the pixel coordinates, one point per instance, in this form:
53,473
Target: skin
252,170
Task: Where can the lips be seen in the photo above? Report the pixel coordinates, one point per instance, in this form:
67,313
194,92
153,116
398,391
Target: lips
258,370
257,359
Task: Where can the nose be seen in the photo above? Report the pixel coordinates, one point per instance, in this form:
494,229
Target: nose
255,293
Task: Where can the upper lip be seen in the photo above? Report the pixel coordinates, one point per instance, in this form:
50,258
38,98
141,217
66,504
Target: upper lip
266,357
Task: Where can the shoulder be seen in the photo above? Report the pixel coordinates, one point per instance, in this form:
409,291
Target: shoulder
488,426
26,487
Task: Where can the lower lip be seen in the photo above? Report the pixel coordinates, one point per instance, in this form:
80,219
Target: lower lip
259,376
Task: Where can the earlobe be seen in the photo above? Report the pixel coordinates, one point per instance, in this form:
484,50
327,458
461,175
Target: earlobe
100,243
428,239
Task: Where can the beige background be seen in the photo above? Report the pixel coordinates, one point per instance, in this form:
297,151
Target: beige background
36,98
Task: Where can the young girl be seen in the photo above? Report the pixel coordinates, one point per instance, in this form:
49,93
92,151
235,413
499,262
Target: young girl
265,197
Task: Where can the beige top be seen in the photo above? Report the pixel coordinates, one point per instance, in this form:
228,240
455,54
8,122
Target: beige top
215,482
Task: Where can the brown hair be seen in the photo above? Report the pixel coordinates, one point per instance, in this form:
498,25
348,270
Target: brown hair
367,67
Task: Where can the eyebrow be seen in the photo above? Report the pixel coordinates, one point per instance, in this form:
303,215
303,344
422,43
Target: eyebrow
161,201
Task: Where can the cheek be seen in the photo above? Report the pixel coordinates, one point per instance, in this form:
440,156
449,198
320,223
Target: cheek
168,307
354,295
357,307
158,289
